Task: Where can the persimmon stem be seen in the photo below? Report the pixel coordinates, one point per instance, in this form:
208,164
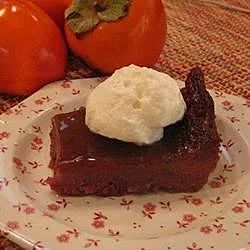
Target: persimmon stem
101,5
84,15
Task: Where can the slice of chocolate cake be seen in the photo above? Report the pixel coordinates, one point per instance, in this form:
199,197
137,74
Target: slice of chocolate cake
86,163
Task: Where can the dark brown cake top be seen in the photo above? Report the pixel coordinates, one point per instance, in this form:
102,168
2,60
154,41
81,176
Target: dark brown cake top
200,114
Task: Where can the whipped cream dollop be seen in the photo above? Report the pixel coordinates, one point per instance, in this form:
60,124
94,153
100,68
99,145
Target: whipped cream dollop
134,105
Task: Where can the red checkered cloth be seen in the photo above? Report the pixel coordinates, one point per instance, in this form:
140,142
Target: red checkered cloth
213,34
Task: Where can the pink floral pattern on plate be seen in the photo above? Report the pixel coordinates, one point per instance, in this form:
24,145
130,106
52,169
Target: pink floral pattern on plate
219,213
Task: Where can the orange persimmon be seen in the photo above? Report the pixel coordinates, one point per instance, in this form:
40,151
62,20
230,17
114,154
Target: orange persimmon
137,36
32,48
55,9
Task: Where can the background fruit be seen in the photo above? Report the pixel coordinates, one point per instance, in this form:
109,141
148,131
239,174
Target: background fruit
32,49
137,38
55,9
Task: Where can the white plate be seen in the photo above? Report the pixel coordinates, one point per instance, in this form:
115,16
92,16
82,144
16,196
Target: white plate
217,217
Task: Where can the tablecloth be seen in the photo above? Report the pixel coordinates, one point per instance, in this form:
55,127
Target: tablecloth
213,34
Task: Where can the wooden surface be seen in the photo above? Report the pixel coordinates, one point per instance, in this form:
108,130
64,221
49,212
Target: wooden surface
213,36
